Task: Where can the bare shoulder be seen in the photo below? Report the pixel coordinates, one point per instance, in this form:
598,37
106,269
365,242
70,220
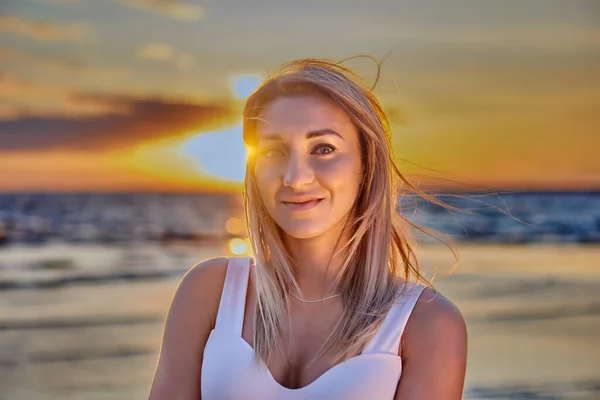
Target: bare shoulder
210,268
199,290
204,281
433,350
434,318
435,308
191,318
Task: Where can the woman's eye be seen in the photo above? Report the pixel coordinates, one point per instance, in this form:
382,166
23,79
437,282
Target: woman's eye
325,149
271,153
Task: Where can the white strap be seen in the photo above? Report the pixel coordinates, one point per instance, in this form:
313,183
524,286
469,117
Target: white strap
232,305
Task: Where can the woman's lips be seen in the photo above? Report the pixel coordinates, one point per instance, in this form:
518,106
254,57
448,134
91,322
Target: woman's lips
306,205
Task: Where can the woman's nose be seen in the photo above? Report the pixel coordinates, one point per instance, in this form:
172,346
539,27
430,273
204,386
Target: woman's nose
298,172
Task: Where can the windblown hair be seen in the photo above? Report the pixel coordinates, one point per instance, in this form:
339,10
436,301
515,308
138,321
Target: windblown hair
380,250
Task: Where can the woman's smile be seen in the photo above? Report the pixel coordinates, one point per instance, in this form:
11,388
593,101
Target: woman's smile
294,205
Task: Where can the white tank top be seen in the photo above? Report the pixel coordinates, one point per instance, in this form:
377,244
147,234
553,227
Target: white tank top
230,371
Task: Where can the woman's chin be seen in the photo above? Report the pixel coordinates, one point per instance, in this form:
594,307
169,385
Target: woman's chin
303,230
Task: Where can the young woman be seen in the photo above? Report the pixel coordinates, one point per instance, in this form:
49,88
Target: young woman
331,305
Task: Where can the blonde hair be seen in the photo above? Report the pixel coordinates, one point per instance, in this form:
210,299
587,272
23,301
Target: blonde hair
379,249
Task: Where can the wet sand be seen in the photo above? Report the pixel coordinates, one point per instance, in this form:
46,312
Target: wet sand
88,320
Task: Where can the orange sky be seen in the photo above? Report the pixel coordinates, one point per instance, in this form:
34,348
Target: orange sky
500,96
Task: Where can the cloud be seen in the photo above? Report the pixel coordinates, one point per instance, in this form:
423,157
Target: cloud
9,55
185,61
170,8
9,111
55,63
540,37
41,30
22,98
107,122
156,51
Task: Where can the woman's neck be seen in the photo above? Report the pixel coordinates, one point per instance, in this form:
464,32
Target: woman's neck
316,266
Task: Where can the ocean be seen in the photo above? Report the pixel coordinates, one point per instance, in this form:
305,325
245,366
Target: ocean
86,281
500,217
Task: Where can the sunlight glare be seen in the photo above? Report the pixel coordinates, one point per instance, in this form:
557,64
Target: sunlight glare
221,154
235,226
239,247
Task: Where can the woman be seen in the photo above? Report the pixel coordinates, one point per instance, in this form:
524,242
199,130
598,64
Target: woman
331,306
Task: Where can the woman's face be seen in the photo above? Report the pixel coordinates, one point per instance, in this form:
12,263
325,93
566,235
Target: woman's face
308,164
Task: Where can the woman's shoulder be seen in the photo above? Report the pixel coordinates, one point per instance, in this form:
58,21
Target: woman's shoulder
210,269
208,274
190,319
434,315
433,348
433,307
202,285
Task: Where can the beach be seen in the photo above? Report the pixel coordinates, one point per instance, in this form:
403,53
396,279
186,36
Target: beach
85,321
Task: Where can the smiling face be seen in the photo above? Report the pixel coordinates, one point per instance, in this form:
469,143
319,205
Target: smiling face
308,164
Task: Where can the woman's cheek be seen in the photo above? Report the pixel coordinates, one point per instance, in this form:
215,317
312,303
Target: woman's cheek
340,169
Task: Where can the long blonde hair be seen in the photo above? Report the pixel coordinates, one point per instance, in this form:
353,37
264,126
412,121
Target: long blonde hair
379,250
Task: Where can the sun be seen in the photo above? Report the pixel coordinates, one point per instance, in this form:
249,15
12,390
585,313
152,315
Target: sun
220,154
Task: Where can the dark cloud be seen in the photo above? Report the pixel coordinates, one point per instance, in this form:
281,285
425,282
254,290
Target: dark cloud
145,120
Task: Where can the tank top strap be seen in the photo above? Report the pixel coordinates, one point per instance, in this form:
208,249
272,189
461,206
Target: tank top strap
230,314
387,338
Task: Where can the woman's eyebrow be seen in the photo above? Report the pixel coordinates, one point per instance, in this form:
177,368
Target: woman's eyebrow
322,132
309,135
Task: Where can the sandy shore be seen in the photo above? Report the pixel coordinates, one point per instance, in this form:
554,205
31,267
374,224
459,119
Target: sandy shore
533,314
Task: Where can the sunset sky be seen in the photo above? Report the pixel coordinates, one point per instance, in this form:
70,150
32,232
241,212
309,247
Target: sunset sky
147,94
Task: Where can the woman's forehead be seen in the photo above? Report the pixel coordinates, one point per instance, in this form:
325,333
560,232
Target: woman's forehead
301,114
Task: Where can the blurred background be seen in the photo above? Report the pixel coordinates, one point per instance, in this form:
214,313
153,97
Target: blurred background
121,162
